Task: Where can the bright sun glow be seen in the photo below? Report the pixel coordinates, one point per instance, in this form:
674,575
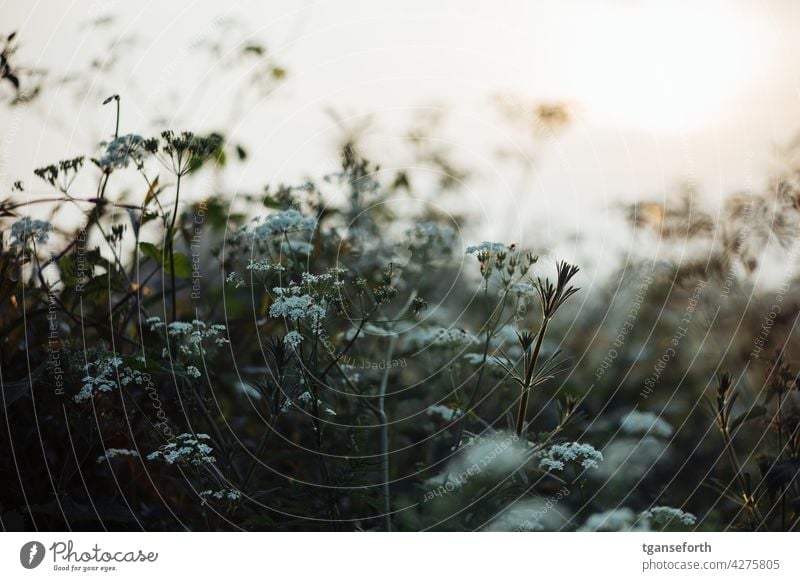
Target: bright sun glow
662,66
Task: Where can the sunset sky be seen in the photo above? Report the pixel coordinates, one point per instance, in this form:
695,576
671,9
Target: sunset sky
662,92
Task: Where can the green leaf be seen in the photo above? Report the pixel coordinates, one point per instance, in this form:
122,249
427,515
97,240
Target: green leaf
151,251
183,266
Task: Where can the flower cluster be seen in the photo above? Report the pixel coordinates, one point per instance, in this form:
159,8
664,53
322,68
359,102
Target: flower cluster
114,452
120,152
665,515
437,239
230,494
448,414
617,519
188,449
293,339
558,455
422,337
192,335
278,224
292,305
645,423
106,374
28,229
625,519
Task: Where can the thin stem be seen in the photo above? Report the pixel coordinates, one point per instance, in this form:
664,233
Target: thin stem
116,128
526,390
171,242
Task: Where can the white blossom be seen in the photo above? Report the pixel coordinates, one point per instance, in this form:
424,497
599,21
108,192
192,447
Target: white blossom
121,151
617,519
29,229
230,494
664,515
493,247
280,223
114,452
187,448
558,455
448,414
645,423
293,339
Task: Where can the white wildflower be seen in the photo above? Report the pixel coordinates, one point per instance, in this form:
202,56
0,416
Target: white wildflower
281,223
645,423
432,236
493,247
448,414
296,308
617,519
121,151
264,266
100,377
114,452
664,515
28,229
187,448
192,371
558,455
230,494
439,336
293,339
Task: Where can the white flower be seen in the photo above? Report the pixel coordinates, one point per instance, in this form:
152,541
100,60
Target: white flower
330,412
493,247
296,308
293,339
645,423
617,519
121,151
155,323
100,376
28,229
496,456
664,515
281,223
114,452
431,235
439,336
187,448
531,515
557,456
225,494
192,333
262,266
192,371
448,414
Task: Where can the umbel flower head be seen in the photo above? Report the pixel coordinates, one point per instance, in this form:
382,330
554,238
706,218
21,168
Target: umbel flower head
120,152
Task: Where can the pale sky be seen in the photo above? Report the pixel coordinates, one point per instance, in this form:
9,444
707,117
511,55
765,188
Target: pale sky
664,91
